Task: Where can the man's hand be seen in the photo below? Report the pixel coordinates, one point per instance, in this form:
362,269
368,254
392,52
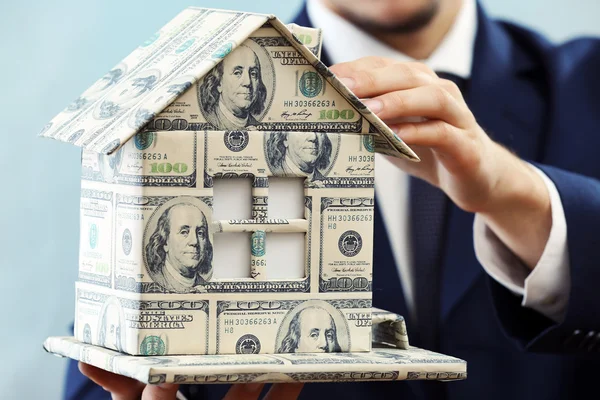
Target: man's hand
478,175
123,388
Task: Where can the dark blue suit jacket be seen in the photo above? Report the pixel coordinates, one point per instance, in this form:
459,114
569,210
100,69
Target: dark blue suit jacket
543,102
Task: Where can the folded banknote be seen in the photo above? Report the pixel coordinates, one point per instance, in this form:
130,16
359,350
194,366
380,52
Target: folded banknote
391,358
382,363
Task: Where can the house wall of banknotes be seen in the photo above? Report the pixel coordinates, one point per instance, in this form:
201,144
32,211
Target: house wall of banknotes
146,282
214,96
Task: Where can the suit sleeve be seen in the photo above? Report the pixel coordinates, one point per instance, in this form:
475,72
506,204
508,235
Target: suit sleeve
580,330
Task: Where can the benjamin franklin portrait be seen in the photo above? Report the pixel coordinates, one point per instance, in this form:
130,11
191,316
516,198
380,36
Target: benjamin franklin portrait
179,252
299,154
110,334
87,334
314,327
233,95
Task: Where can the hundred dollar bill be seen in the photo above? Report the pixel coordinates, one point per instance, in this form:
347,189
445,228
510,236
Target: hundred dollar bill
154,262
148,260
96,241
346,244
293,326
380,364
263,84
149,159
312,38
178,158
326,160
153,326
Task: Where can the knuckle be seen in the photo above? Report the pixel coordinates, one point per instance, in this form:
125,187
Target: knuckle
367,78
423,68
444,131
409,73
422,78
413,76
468,119
414,128
441,97
396,101
375,61
450,86
473,134
380,62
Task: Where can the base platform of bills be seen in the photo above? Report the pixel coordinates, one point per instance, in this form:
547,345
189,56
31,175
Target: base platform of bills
382,363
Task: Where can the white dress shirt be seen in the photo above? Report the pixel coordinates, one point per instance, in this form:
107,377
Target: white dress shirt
546,288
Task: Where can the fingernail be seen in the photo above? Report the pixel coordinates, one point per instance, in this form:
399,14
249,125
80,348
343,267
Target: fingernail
394,129
253,387
349,82
374,105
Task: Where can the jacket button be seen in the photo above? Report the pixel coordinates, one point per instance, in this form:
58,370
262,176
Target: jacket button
573,339
594,342
587,340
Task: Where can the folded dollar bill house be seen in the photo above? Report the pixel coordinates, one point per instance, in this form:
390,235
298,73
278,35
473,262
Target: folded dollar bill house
171,262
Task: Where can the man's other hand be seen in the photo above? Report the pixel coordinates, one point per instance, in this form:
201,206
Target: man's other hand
124,388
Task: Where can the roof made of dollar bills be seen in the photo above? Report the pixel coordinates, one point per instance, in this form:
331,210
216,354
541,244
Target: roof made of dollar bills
95,123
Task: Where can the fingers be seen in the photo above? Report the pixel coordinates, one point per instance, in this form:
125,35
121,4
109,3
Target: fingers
372,76
348,68
397,90
244,391
367,83
121,387
165,391
432,101
449,143
438,135
284,391
124,388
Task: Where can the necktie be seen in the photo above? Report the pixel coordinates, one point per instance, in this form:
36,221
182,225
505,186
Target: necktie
428,211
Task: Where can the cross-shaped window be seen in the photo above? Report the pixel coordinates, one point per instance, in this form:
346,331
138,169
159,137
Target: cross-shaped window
260,228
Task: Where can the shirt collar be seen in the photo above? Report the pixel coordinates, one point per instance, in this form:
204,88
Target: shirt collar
345,42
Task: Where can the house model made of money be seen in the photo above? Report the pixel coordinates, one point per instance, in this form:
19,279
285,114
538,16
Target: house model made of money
168,264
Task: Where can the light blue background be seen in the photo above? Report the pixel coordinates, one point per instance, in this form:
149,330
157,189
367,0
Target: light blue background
50,51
